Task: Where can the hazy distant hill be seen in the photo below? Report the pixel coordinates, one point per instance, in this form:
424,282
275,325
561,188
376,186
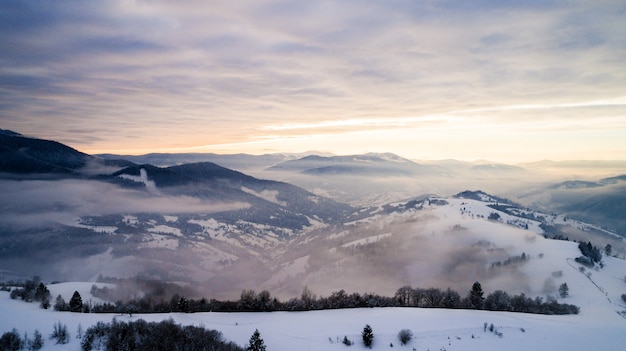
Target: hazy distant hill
272,202
233,161
359,165
602,202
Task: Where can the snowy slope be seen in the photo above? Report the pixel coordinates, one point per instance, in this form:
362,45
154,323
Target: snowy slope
596,291
597,327
443,227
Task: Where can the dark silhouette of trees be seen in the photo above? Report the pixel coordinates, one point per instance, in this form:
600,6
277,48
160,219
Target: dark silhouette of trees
141,335
250,301
591,252
498,301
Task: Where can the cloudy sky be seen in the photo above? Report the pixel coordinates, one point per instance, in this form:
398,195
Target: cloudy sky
502,80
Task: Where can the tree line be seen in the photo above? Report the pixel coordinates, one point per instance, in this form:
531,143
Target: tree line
406,296
251,301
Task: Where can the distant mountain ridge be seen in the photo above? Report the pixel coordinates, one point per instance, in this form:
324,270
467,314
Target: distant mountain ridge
367,164
25,155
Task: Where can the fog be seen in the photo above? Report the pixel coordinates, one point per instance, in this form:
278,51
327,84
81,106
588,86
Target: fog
421,251
427,248
31,203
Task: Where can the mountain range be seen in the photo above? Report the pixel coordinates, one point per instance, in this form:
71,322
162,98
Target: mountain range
224,230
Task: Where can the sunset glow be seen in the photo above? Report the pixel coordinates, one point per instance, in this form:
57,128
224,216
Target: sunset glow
504,81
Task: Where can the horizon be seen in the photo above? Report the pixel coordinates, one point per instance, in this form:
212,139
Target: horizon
506,82
602,163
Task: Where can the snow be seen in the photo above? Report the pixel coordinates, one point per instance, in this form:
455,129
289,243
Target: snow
143,178
267,195
164,229
433,329
172,219
159,241
596,291
368,240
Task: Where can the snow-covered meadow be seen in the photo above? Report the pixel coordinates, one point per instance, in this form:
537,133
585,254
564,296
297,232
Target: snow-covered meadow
598,326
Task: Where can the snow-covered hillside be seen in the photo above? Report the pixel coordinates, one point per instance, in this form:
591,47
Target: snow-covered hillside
445,227
598,326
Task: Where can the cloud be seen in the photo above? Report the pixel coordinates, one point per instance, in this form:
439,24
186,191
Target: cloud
32,203
223,72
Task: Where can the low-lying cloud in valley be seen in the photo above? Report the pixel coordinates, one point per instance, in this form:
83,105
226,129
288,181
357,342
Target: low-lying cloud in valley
31,203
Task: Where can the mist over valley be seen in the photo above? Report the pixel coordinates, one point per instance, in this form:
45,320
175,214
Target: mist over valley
363,223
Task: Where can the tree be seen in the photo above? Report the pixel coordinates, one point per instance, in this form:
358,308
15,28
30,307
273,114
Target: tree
493,216
368,336
60,334
498,301
76,302
11,341
60,304
37,342
405,335
183,304
608,249
476,296
256,343
563,290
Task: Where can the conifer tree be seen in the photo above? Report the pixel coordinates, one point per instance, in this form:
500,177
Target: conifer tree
476,296
368,336
256,342
76,302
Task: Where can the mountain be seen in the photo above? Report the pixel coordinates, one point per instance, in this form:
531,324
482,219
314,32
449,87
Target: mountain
372,164
601,201
172,223
23,155
270,202
224,231
241,162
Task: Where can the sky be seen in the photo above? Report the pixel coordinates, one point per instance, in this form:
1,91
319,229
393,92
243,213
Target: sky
509,81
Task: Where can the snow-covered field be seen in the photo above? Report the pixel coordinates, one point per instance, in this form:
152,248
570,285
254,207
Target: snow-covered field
598,326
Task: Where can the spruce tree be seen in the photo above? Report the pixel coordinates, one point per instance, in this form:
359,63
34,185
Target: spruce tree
476,296
256,343
76,302
368,336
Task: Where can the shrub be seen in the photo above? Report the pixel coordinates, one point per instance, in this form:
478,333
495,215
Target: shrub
37,342
141,335
405,335
11,341
347,341
60,333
